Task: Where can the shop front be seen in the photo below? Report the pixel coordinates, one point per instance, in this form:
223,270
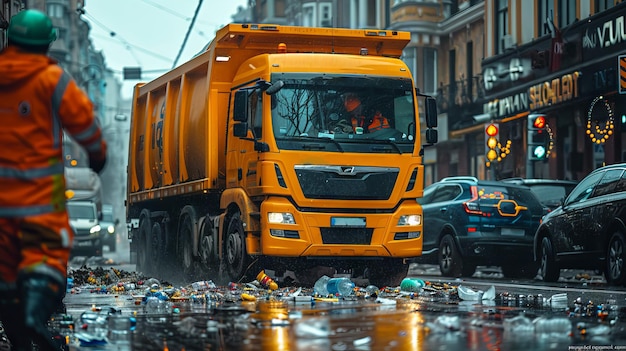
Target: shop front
577,79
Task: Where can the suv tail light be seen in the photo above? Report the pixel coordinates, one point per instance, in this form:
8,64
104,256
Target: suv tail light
472,206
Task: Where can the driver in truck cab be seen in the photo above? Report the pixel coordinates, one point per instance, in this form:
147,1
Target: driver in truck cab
360,122
38,100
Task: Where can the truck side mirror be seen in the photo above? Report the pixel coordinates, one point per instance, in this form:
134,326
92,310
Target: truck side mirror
431,112
240,109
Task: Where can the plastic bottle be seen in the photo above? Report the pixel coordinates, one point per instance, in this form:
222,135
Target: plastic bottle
340,286
412,285
320,286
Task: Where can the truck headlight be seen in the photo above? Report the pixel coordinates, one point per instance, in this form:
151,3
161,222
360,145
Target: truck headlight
410,220
111,229
280,218
95,229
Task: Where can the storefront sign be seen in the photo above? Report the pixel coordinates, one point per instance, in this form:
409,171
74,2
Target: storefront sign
608,36
555,91
508,105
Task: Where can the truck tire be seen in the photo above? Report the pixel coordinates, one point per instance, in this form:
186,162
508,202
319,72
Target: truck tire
145,226
187,259
236,259
155,248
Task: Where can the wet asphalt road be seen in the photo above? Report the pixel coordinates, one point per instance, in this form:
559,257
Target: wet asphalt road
434,319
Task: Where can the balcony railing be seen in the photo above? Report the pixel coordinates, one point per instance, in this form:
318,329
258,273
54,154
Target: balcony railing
461,100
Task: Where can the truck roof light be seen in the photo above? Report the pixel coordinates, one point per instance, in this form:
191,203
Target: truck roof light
282,48
222,58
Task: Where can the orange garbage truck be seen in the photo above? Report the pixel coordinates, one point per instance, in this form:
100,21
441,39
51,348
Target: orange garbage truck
247,157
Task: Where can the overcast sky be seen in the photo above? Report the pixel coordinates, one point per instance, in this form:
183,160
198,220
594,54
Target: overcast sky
150,33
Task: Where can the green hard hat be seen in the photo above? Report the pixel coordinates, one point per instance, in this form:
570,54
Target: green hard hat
31,27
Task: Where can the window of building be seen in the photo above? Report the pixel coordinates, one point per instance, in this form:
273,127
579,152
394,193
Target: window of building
56,10
603,5
567,12
326,19
308,15
502,14
430,70
279,8
546,14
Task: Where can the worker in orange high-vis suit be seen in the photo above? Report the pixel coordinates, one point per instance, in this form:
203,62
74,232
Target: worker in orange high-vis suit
361,123
38,100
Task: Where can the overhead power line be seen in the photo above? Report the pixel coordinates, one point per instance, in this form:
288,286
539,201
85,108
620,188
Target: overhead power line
193,20
112,33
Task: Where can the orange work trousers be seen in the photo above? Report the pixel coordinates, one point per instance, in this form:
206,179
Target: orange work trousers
28,242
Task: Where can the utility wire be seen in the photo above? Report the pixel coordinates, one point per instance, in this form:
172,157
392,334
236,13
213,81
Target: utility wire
193,20
154,54
113,34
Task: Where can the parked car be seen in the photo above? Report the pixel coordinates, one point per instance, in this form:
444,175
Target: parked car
550,192
470,222
588,231
108,227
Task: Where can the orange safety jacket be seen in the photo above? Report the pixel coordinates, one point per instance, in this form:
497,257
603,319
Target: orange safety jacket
38,100
378,122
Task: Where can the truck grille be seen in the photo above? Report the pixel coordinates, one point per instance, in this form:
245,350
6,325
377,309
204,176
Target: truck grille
346,183
352,236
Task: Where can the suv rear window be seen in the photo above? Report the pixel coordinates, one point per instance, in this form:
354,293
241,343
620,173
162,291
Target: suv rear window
490,195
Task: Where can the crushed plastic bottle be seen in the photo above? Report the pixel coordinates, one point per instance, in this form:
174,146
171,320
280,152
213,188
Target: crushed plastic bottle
556,327
203,285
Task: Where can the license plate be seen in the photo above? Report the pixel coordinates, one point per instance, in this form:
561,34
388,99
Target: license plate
512,231
83,243
347,222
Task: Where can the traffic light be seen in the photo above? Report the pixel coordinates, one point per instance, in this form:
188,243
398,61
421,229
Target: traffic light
491,142
538,137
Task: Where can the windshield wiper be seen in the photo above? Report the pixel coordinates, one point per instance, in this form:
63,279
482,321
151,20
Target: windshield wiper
384,141
310,146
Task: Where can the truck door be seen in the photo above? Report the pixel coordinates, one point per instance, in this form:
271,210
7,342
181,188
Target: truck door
242,162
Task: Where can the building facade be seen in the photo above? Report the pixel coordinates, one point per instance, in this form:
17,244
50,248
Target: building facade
565,66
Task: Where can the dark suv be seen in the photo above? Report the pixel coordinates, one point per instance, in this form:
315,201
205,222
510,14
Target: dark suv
550,192
470,222
588,231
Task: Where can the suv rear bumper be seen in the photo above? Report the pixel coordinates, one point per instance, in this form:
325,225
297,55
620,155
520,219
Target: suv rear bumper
497,252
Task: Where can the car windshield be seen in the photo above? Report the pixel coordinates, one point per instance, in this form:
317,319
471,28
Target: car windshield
310,112
80,211
107,217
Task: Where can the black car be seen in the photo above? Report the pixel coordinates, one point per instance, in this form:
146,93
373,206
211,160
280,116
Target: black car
588,231
470,222
550,192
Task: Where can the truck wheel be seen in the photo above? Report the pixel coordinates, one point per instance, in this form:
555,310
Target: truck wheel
155,250
142,250
186,256
235,255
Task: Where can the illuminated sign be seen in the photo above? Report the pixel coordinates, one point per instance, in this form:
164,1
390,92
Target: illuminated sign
555,91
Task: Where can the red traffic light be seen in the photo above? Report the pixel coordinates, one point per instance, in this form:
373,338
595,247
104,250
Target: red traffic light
539,122
491,130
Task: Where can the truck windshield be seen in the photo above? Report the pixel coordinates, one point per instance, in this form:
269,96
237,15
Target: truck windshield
80,211
344,113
